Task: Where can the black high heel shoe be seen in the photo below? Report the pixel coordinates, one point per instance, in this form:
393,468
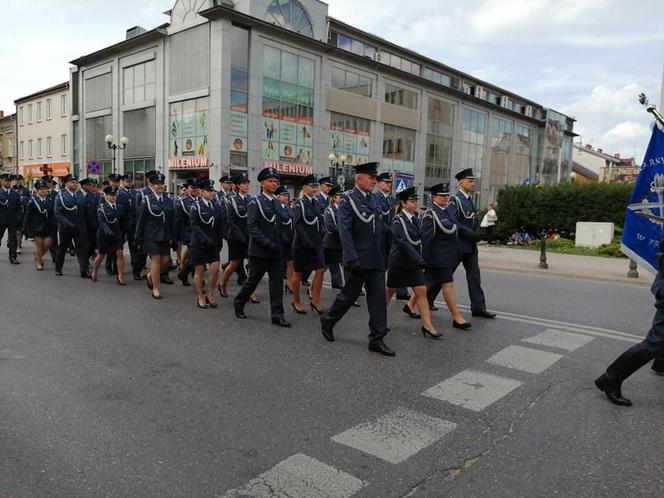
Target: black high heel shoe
406,309
201,306
317,310
156,295
299,312
461,326
210,303
148,281
222,293
426,332
253,300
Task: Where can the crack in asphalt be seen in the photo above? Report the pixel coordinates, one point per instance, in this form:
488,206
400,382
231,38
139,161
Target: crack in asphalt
456,470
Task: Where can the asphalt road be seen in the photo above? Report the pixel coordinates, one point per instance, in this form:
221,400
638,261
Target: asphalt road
106,392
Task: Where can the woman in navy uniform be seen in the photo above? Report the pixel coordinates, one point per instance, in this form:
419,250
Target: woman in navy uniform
287,233
206,238
405,263
110,234
155,230
307,246
236,233
183,207
332,248
39,222
441,250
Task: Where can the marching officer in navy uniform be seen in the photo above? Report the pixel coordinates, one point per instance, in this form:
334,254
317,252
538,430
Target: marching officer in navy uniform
287,233
92,201
226,183
264,228
206,223
25,195
236,232
139,195
70,211
39,222
406,264
307,246
155,230
52,192
442,252
332,248
110,234
10,215
463,212
183,208
126,199
361,235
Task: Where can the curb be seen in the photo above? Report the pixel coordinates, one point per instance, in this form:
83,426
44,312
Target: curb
636,282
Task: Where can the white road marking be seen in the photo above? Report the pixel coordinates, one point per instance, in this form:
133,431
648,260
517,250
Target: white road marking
472,389
300,476
559,339
524,359
396,436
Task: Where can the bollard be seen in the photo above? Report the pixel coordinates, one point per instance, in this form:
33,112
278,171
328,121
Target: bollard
632,272
542,262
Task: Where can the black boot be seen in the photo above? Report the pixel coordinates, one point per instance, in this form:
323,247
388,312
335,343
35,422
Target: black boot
624,366
658,366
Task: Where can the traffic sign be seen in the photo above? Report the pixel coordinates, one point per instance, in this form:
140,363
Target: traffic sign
341,180
401,184
92,167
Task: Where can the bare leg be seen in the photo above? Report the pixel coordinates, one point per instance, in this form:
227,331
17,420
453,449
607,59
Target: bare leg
38,251
46,245
198,284
317,286
294,284
212,281
232,266
153,274
414,304
119,261
450,299
96,264
389,294
420,294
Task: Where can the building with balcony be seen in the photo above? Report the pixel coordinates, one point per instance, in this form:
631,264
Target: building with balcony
235,86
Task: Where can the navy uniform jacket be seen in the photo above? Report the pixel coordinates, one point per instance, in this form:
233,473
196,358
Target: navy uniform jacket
70,210
24,195
462,212
406,246
206,225
264,224
127,199
440,240
287,231
10,207
331,240
139,195
39,218
92,202
183,207
386,204
306,223
109,222
156,220
360,232
236,215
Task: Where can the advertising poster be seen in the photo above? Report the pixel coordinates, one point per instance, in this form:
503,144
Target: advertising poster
287,132
270,128
188,129
239,131
305,135
269,150
286,152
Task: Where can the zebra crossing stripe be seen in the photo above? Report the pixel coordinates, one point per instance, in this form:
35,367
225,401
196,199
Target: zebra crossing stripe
559,339
529,360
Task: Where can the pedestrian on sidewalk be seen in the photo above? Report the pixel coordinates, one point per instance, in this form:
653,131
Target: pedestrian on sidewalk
489,222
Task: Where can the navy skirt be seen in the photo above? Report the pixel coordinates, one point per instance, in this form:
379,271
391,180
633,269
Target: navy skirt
307,260
161,248
437,276
405,277
236,250
108,246
203,255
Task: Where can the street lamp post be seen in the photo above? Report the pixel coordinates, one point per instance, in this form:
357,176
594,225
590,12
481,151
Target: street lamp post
114,146
335,161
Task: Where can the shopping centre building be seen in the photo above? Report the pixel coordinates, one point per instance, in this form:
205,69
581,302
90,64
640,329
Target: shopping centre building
230,86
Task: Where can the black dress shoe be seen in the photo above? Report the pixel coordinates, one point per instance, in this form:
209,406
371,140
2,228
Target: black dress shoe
612,390
14,261
484,314
406,309
433,308
85,274
356,305
461,326
184,279
657,372
239,313
137,276
166,280
58,273
282,322
403,297
326,329
382,349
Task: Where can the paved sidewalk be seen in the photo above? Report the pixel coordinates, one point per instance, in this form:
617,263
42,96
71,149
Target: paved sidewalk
496,258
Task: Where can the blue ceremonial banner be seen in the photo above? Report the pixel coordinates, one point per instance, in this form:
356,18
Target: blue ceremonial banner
641,235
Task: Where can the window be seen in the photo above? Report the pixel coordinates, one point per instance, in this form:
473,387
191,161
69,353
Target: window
473,140
139,82
63,105
501,147
29,113
138,167
189,59
399,149
239,119
63,144
39,111
30,151
291,15
39,148
20,116
49,147
525,154
287,109
439,141
98,93
400,96
349,136
22,149
351,82
49,110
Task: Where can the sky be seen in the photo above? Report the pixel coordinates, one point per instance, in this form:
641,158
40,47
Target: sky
586,58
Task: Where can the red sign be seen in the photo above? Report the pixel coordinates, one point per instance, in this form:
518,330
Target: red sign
192,162
290,168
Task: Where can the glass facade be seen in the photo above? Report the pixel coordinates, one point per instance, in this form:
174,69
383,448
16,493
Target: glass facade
501,148
440,134
291,15
239,97
350,137
400,96
553,142
138,167
139,82
398,149
473,140
525,154
351,81
287,110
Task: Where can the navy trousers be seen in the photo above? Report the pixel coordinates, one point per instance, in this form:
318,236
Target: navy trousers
472,266
80,240
12,243
374,283
258,267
